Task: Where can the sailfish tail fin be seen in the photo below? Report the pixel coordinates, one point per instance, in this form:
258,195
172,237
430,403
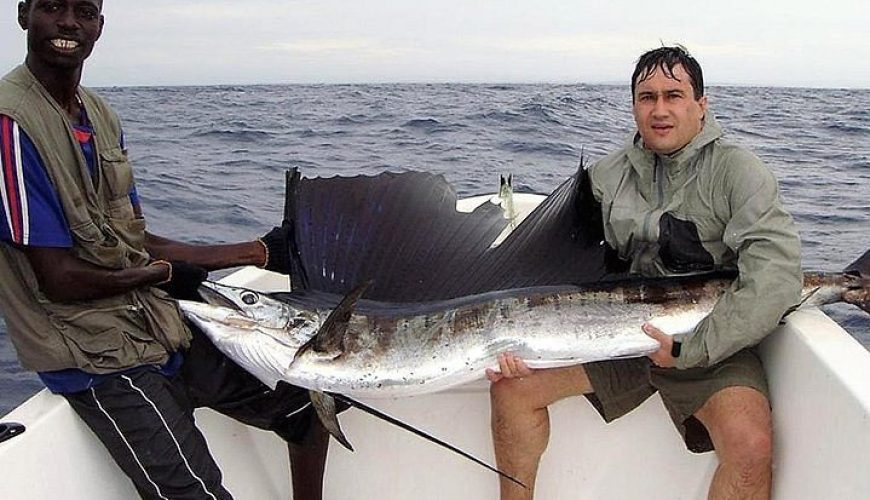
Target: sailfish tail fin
859,294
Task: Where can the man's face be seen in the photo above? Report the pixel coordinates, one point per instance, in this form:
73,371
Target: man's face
60,33
666,112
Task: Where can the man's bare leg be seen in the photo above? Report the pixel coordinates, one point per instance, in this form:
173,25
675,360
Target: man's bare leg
308,462
521,421
738,420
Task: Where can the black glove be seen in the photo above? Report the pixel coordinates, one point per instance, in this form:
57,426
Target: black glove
277,243
184,280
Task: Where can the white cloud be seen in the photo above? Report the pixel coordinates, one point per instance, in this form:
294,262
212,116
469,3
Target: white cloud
347,47
577,44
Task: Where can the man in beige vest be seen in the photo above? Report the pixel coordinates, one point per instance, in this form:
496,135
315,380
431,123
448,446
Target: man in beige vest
87,293
677,199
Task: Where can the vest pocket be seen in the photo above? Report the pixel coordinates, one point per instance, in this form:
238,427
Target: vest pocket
132,232
107,336
117,173
118,176
96,245
121,208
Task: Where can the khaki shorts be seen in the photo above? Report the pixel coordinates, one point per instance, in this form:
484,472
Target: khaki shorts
622,385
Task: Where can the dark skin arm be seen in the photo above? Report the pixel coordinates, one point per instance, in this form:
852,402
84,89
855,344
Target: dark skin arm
63,277
208,257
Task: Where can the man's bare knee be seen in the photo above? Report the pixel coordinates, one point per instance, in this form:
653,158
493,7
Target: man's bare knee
739,422
749,450
541,389
513,395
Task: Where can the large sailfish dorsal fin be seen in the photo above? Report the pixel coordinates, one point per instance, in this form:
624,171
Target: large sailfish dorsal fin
402,231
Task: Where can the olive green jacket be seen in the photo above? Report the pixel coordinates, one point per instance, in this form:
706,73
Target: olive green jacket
97,336
709,206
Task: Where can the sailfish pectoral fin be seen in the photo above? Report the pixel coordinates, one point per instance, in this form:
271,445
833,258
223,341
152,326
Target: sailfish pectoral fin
324,405
330,337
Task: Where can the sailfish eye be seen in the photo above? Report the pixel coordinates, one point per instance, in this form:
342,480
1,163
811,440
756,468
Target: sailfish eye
250,298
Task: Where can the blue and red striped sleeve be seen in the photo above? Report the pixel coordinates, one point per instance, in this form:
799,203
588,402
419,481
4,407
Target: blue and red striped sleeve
30,209
134,195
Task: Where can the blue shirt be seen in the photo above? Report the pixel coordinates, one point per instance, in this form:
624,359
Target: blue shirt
75,380
30,209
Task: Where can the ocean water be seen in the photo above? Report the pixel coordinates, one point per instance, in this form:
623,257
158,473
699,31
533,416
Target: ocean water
210,161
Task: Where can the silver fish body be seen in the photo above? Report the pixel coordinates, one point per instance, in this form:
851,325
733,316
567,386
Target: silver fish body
387,356
391,350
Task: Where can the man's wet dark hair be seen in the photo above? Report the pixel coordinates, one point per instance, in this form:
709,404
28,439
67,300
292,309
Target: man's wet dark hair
667,58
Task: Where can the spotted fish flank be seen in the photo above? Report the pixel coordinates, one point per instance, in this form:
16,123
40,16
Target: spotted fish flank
382,349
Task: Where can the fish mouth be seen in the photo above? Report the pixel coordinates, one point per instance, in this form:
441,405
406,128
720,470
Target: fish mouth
211,293
209,314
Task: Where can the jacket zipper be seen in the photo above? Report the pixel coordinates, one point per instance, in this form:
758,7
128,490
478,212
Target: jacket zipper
659,188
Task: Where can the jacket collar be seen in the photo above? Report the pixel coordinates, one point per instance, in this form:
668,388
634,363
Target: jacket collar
643,160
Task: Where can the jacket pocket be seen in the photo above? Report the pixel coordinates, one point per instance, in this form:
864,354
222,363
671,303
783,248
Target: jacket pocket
682,249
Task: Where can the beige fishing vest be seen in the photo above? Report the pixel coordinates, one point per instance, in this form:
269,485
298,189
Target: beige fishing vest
97,336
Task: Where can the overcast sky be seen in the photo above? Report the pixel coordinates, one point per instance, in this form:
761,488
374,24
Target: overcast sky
756,42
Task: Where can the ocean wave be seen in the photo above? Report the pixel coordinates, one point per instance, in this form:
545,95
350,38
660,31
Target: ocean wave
234,135
540,111
432,125
546,148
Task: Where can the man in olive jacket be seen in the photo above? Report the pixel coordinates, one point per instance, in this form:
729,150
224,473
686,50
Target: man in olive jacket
676,200
87,293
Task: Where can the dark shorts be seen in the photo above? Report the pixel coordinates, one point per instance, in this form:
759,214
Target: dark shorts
214,381
145,419
622,385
